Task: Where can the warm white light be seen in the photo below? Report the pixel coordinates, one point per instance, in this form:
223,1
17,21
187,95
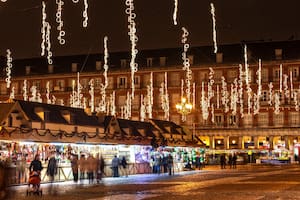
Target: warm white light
8,68
212,11
85,14
60,22
175,12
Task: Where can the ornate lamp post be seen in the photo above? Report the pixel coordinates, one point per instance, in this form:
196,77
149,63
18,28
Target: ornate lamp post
184,108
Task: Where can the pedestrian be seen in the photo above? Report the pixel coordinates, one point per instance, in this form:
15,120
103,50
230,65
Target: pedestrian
21,166
52,168
90,168
223,161
82,166
124,166
170,164
74,166
115,166
234,158
36,164
100,171
230,160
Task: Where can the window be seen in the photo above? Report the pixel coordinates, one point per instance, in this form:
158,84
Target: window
264,75
294,119
217,76
122,82
264,96
60,84
162,61
149,62
263,119
137,81
159,78
84,83
74,67
123,63
110,83
3,89
295,72
232,120
174,79
231,75
37,84
97,83
247,119
278,119
218,120
276,74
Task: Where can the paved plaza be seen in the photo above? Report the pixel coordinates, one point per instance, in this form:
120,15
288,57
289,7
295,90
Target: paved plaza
249,182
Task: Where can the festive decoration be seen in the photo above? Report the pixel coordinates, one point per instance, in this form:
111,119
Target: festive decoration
8,68
85,14
212,11
133,39
60,22
175,12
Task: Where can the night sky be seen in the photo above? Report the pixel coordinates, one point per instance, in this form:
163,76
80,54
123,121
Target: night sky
237,20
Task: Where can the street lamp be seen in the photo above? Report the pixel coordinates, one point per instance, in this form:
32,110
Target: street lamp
184,108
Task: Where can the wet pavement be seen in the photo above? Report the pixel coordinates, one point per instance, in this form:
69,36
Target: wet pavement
249,182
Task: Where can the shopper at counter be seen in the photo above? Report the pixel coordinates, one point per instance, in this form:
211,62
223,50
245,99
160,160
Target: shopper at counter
82,166
52,168
36,164
115,166
74,166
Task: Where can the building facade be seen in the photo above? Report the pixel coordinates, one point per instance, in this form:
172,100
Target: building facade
238,103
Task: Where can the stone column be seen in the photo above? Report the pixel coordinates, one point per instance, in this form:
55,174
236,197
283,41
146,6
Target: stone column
212,142
255,140
226,142
287,142
241,143
271,142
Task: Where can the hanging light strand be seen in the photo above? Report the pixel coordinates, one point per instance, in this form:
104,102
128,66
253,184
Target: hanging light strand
85,14
212,11
8,68
61,32
133,39
175,12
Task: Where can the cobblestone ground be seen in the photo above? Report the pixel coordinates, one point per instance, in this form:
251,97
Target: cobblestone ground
247,183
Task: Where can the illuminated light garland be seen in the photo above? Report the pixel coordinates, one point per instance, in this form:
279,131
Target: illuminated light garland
285,86
186,64
296,102
164,97
133,39
25,96
54,100
212,113
224,95
4,0
249,94
103,104
75,1
212,11
127,107
60,22
234,97
194,95
270,94
44,28
204,103
92,94
85,14
142,109
76,96
291,80
210,91
241,90
218,97
48,92
8,68
112,103
175,12
36,96
256,97
280,78
105,66
12,93
149,98
277,103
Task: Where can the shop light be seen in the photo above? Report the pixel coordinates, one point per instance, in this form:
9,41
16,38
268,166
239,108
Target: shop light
219,141
233,141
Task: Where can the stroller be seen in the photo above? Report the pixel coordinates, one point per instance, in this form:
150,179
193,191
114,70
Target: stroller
34,184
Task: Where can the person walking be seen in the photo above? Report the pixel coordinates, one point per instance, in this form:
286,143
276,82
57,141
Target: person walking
170,164
74,166
36,164
115,166
234,158
124,166
100,166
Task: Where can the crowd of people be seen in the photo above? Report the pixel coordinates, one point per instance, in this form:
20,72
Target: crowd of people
231,161
162,164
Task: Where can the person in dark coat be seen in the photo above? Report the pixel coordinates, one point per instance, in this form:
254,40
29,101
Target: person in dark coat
52,168
74,166
124,166
36,164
